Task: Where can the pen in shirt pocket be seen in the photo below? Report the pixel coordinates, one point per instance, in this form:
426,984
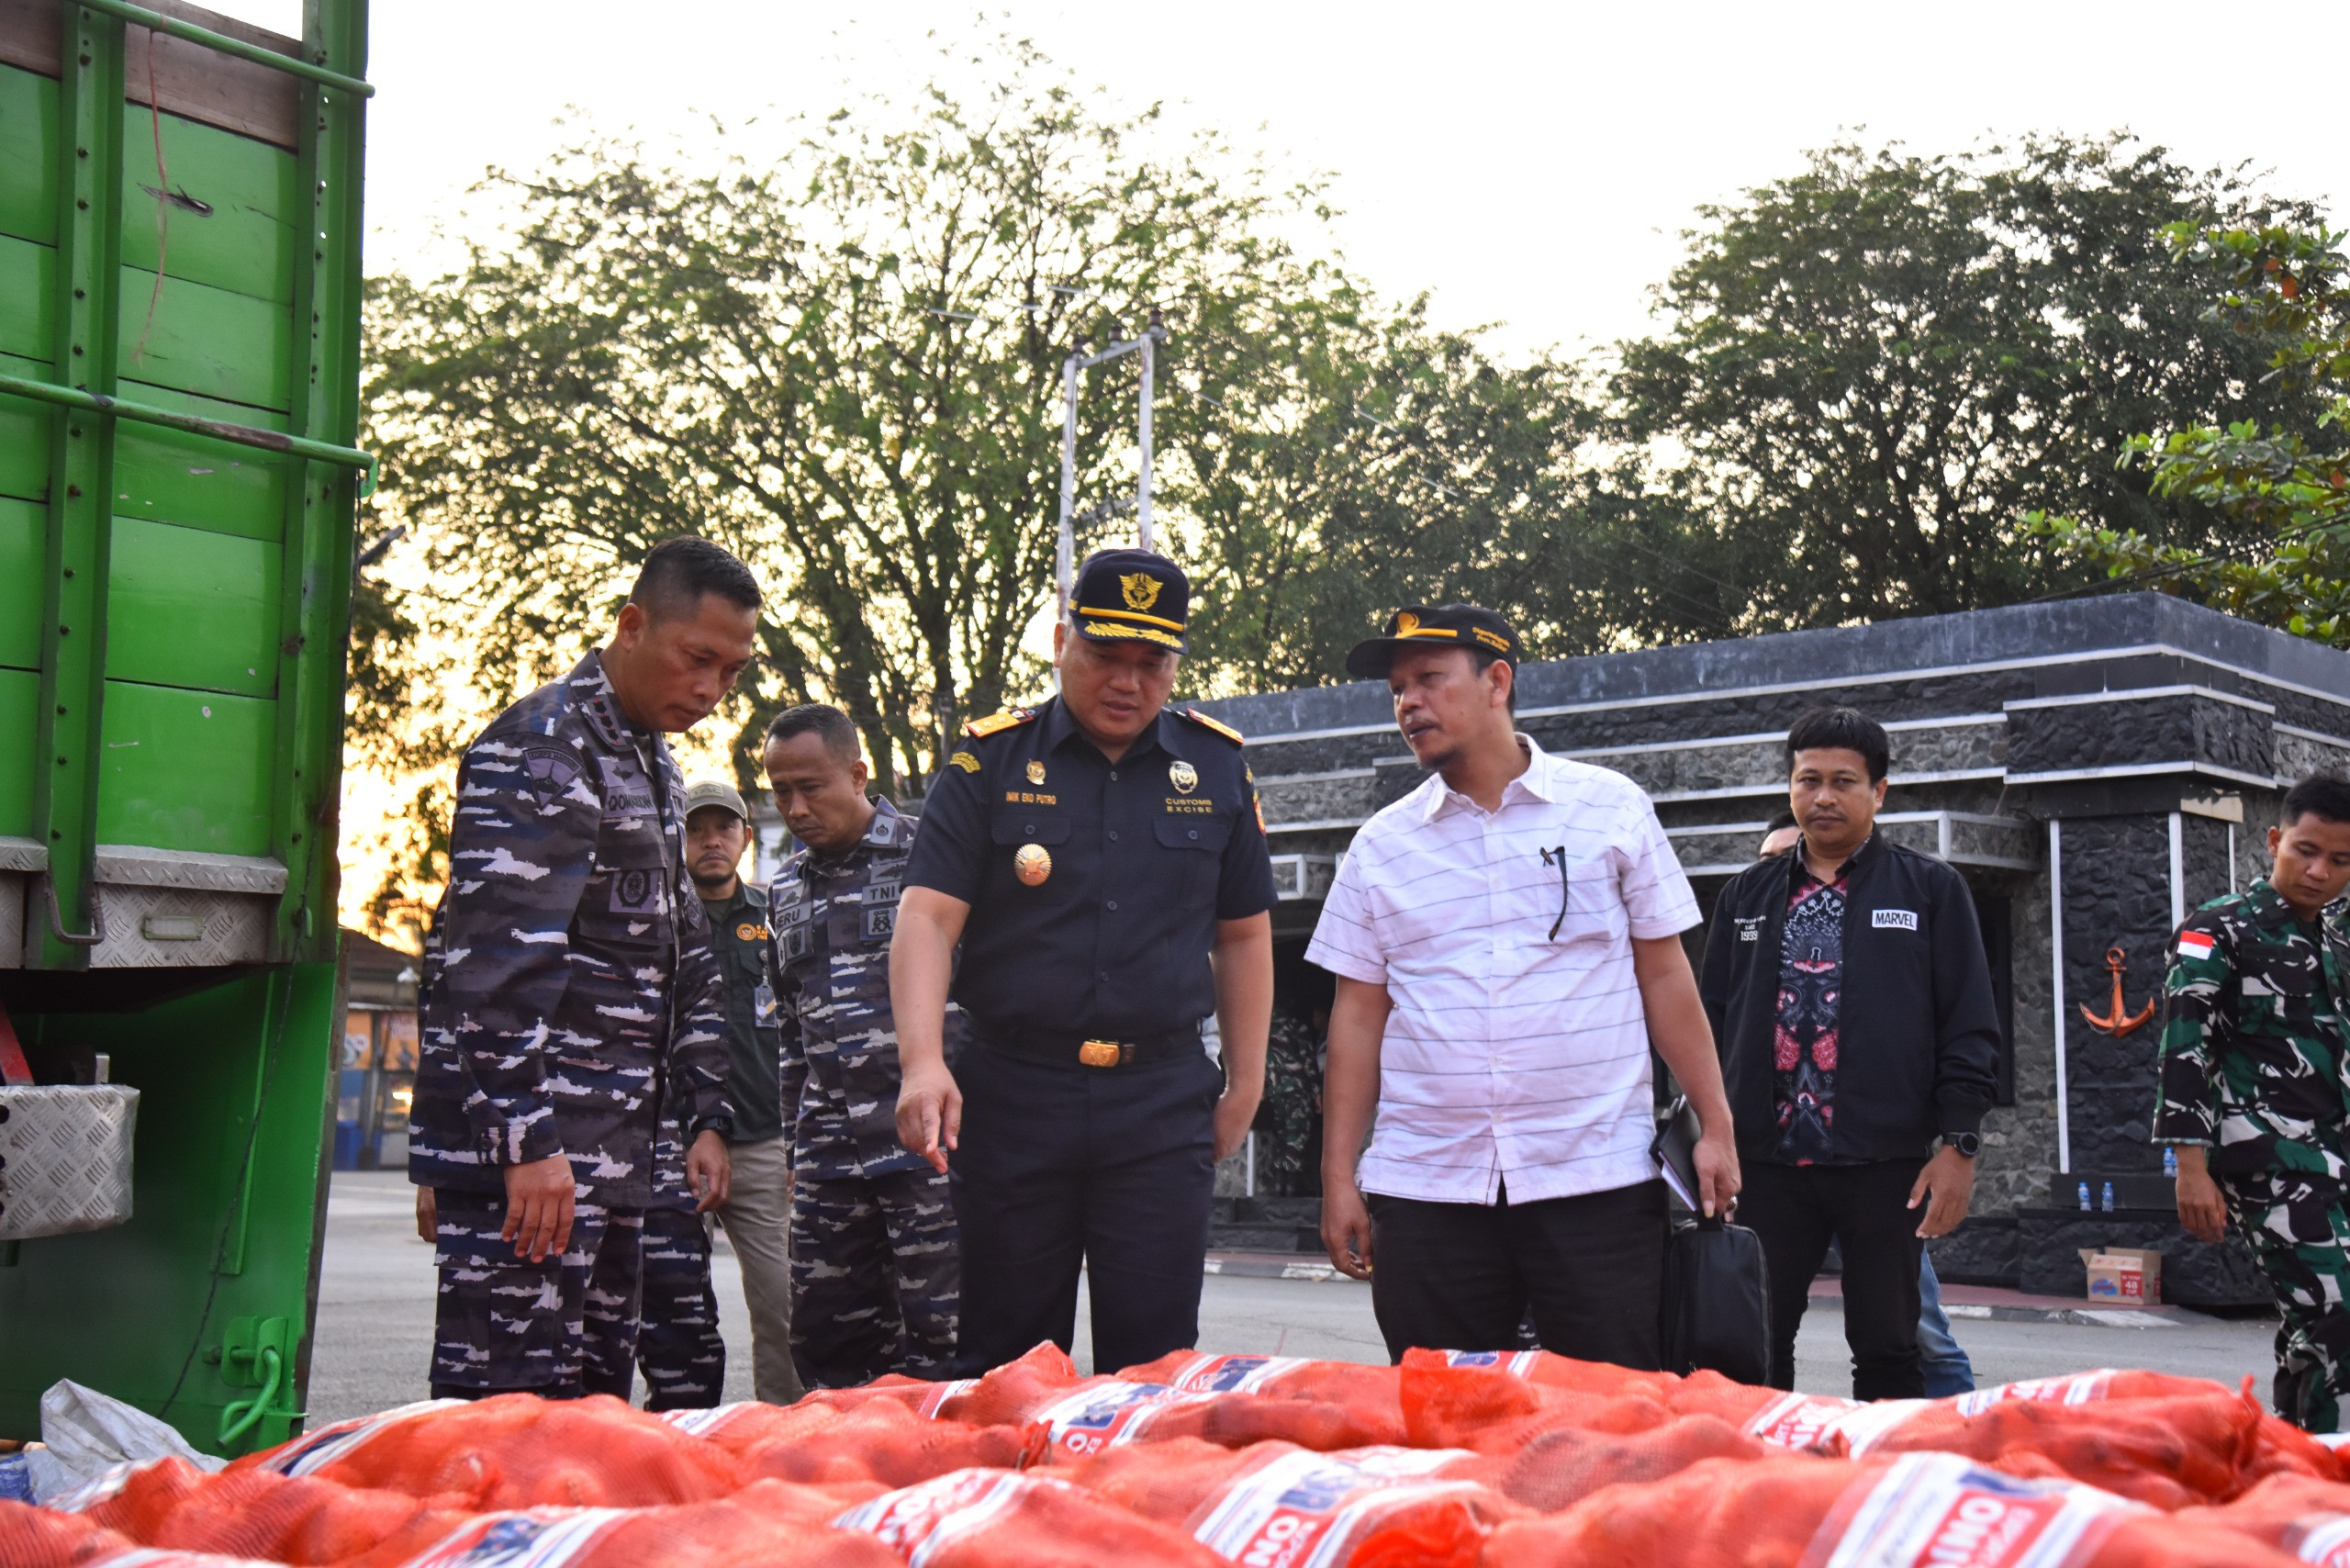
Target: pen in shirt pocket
1557,856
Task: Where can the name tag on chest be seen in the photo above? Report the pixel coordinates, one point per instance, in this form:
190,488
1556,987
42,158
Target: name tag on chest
1894,920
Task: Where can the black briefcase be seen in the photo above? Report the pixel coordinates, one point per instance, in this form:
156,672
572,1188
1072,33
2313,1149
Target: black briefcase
1716,1306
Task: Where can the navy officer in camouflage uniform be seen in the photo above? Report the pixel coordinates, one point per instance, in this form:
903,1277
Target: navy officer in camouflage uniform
2254,1049
571,998
1101,860
876,1280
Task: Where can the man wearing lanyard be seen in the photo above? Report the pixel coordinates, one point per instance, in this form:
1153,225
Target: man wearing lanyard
1102,863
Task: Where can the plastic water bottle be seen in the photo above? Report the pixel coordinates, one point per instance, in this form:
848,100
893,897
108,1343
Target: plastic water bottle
2170,1162
2108,1196
2085,1197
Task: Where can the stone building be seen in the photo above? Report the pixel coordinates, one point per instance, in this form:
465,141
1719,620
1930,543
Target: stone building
2094,768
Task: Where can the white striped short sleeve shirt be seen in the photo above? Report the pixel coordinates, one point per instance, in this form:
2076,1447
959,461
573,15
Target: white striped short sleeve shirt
1516,1048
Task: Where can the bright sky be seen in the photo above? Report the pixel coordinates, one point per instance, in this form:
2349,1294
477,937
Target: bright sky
1531,164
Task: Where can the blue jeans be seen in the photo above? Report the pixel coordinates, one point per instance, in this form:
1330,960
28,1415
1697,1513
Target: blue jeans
1947,1369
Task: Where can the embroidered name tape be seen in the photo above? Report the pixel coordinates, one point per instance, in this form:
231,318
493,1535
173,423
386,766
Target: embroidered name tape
1896,919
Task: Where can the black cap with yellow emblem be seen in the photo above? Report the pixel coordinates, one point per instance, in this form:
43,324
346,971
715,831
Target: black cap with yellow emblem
1131,596
1435,626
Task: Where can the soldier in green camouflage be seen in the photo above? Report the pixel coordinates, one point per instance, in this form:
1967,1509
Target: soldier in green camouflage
2254,1095
1288,1121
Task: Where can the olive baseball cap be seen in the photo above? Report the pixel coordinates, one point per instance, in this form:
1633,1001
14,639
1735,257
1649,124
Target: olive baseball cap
1440,625
715,792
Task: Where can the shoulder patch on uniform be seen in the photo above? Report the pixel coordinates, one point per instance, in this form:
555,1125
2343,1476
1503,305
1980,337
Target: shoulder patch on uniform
1227,730
550,769
964,760
981,728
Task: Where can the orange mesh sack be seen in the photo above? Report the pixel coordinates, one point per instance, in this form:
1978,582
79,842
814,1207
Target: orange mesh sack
1101,1413
517,1450
2168,1452
769,1523
878,1440
1013,1394
997,1519
1548,1371
1704,1392
1495,1412
43,1538
2302,1517
1371,1395
1563,1466
260,1513
1167,1481
917,1395
1385,1506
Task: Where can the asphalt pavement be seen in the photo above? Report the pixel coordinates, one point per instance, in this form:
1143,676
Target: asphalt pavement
374,1327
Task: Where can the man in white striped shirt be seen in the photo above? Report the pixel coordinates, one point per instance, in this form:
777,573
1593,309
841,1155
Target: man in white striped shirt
1506,939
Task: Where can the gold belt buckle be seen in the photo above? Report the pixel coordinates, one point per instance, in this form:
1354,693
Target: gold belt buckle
1100,1053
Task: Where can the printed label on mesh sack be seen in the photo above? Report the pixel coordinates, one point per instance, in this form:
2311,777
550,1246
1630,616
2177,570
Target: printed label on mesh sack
2323,1539
940,1393
1517,1364
1232,1374
702,1423
163,1557
2076,1388
917,1521
1939,1510
1106,1415
1305,1510
329,1444
526,1538
1824,1422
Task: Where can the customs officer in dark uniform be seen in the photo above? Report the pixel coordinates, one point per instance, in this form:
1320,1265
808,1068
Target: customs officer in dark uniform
571,999
1102,862
875,1275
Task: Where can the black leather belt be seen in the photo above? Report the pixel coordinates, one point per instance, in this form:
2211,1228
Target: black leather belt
1064,1047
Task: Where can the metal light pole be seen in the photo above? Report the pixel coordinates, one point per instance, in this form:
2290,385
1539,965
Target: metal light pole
1064,550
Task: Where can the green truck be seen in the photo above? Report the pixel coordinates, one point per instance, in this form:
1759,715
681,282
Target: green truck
179,343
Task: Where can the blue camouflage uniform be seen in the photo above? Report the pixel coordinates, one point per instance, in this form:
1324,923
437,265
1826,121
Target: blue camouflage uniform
678,1346
876,1276
570,999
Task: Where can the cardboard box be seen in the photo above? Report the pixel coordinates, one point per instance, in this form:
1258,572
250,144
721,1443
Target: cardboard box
2123,1276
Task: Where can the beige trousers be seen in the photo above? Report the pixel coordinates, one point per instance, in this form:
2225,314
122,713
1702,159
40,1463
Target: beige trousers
758,1217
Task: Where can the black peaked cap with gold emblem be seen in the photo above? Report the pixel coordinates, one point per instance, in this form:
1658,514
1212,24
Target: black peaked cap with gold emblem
1435,626
1132,596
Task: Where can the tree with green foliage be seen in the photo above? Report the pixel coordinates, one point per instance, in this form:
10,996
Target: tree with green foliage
1870,369
2290,287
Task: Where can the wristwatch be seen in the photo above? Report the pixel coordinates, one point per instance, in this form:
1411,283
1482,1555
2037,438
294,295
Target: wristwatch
1967,1144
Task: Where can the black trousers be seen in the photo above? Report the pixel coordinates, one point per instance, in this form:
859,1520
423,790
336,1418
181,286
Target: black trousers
1796,1210
1109,1167
1464,1276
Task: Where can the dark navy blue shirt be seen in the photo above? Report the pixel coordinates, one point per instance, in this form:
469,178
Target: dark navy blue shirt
1148,854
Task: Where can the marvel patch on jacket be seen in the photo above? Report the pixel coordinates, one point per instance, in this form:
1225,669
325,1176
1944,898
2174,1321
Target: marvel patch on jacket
2256,1029
1918,1032
570,989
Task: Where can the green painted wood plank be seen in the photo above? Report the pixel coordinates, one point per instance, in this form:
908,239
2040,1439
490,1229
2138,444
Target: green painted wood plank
28,155
173,477
166,475
203,340
241,212
23,541
27,281
185,769
19,695
189,609
24,436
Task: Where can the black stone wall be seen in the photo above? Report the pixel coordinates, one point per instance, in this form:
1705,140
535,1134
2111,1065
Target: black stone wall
2117,894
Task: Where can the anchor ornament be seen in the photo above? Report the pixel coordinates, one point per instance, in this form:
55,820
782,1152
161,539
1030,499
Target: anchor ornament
2114,1021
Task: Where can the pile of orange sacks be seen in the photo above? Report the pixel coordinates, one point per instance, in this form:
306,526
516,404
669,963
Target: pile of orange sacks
1450,1460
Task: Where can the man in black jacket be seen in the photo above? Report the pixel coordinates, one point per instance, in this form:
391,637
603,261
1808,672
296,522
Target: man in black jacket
1851,1002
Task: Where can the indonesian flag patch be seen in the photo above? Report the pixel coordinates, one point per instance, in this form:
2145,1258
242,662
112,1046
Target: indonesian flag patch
2194,944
